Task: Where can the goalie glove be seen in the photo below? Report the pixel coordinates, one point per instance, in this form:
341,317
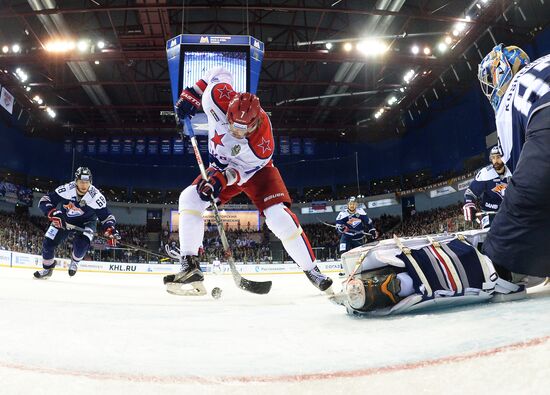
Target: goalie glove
57,218
112,235
469,210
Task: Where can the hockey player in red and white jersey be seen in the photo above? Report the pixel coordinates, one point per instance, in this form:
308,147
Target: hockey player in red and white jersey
240,146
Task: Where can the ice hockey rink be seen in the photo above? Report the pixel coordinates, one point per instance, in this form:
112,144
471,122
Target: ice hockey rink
123,334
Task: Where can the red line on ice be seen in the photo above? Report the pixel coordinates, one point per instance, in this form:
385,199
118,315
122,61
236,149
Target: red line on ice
274,379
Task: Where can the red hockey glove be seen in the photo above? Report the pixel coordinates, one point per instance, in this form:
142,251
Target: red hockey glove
112,236
57,218
469,210
213,186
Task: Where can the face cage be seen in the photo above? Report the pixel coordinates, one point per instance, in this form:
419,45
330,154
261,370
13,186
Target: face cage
490,90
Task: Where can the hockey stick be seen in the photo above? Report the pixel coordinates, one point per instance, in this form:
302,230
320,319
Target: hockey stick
361,232
130,246
256,287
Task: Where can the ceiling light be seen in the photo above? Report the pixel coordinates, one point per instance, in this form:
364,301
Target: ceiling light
448,40
37,99
328,45
50,112
16,48
401,89
427,51
100,44
442,47
392,100
348,47
459,27
96,61
59,46
372,47
5,49
455,32
468,18
408,76
82,45
415,49
28,88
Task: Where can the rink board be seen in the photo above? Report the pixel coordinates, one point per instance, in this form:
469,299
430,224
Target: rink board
21,260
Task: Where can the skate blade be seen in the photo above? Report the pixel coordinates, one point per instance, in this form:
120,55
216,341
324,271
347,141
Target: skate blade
41,278
197,289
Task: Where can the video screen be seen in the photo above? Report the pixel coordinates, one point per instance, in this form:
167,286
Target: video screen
197,63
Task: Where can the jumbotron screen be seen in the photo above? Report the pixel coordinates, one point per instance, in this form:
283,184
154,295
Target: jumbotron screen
197,63
232,219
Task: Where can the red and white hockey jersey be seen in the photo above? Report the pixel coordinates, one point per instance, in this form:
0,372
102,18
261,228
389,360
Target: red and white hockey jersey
247,155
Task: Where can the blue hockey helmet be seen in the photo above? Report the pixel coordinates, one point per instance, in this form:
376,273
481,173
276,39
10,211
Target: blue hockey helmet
497,69
84,174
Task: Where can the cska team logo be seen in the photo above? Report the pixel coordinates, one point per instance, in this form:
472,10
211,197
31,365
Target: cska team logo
72,210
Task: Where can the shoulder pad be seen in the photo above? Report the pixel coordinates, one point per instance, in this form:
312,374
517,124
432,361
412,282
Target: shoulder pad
66,191
261,142
95,199
486,174
342,215
361,211
221,95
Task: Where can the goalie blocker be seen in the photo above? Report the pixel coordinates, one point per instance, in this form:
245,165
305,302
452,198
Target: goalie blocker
400,276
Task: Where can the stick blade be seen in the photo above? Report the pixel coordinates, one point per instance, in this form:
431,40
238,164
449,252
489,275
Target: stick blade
255,287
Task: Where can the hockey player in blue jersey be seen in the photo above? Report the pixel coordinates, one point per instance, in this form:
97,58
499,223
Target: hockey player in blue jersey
353,225
519,91
489,185
81,204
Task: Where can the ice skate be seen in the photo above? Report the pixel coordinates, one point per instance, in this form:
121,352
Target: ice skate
45,273
319,280
73,267
190,274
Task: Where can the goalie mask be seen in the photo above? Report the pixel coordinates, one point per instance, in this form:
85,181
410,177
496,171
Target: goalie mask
497,69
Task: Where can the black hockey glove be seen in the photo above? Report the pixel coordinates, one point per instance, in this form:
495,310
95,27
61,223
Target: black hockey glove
57,218
187,104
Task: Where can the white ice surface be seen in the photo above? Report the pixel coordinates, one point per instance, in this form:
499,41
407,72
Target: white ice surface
122,333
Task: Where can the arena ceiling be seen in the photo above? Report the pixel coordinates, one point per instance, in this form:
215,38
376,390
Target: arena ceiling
113,78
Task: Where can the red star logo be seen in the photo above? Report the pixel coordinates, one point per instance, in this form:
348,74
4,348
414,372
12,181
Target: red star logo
217,139
225,92
264,145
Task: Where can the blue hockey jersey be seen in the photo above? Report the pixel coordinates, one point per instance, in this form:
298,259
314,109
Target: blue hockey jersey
354,225
489,186
90,207
528,92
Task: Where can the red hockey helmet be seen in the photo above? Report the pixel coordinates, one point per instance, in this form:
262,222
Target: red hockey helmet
243,114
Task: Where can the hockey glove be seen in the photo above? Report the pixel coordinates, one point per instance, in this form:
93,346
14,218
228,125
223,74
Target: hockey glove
187,104
57,218
469,210
213,185
112,236
372,234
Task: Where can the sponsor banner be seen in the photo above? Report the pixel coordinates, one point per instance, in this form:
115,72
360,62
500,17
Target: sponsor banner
381,203
6,100
442,191
296,146
464,184
140,147
316,210
79,146
284,145
103,146
232,219
19,259
309,147
67,146
5,258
